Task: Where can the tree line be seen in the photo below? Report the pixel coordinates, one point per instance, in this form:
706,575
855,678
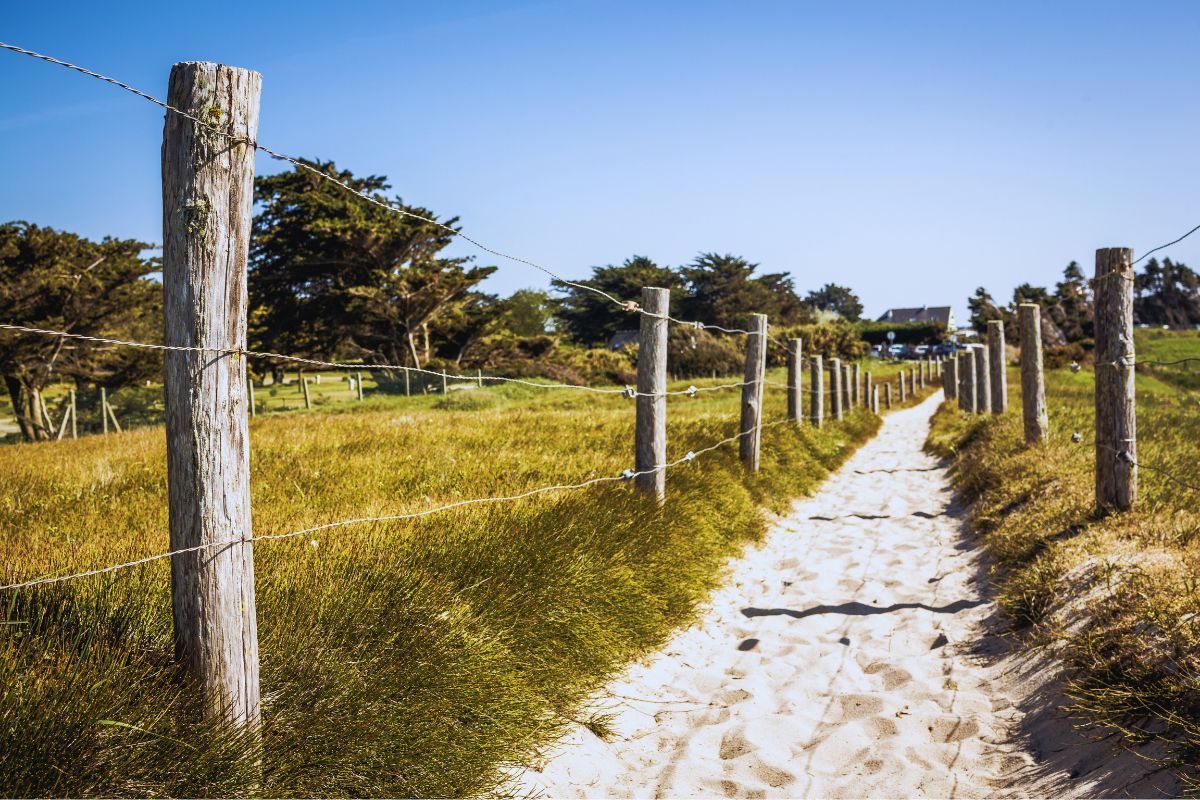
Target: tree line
1165,293
332,277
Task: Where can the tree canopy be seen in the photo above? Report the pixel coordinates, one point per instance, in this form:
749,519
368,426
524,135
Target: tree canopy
60,281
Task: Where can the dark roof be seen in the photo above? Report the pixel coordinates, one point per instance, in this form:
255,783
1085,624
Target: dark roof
940,314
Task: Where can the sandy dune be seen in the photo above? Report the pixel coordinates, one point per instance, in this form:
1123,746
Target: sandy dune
839,659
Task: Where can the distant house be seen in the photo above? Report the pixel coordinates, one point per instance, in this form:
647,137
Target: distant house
622,339
941,315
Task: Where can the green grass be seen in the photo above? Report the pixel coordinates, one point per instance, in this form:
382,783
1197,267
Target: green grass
398,659
1168,346
1116,596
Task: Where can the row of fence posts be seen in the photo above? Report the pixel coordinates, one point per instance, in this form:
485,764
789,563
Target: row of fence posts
207,195
976,376
70,417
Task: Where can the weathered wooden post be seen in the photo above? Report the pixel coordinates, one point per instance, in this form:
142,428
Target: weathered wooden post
358,385
858,393
407,392
875,400
445,384
304,389
847,389
835,388
1116,415
794,365
903,385
816,391
950,376
887,395
104,409
921,365
997,363
208,189
752,391
74,417
868,387
250,394
650,432
1033,382
479,378
983,380
966,380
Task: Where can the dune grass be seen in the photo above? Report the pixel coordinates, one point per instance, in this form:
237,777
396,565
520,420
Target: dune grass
1115,597
398,659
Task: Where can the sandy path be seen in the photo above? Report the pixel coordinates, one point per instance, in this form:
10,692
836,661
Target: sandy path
833,662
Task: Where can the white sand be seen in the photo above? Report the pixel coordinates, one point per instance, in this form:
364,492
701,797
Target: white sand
834,661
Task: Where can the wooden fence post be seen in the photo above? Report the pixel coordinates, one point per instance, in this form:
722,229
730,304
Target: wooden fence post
847,389
304,389
250,394
650,431
1033,382
445,385
358,384
950,377
983,380
858,386
868,388
903,385
794,365
208,189
752,391
875,400
966,380
104,409
816,391
835,388
1116,415
74,417
406,385
997,362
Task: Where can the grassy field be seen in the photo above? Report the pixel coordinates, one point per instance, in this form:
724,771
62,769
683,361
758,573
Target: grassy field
1117,597
410,659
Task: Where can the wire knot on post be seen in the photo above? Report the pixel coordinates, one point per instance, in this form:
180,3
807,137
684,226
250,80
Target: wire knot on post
631,306
1076,437
691,454
627,475
1075,366
1125,456
629,392
691,391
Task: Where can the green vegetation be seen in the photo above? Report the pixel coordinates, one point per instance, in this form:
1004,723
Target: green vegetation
1117,597
398,658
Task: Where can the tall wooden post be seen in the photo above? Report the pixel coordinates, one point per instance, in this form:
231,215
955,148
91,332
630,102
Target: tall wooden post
1116,417
950,377
997,363
1033,381
794,365
752,391
847,389
875,400
816,391
868,388
903,385
650,432
835,388
304,389
858,385
250,394
407,391
445,384
983,380
966,380
358,384
74,418
208,188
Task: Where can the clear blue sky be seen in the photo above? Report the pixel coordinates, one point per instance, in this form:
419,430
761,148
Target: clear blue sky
912,151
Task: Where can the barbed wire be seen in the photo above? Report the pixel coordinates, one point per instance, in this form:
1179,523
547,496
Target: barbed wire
345,365
627,475
1128,457
1168,244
